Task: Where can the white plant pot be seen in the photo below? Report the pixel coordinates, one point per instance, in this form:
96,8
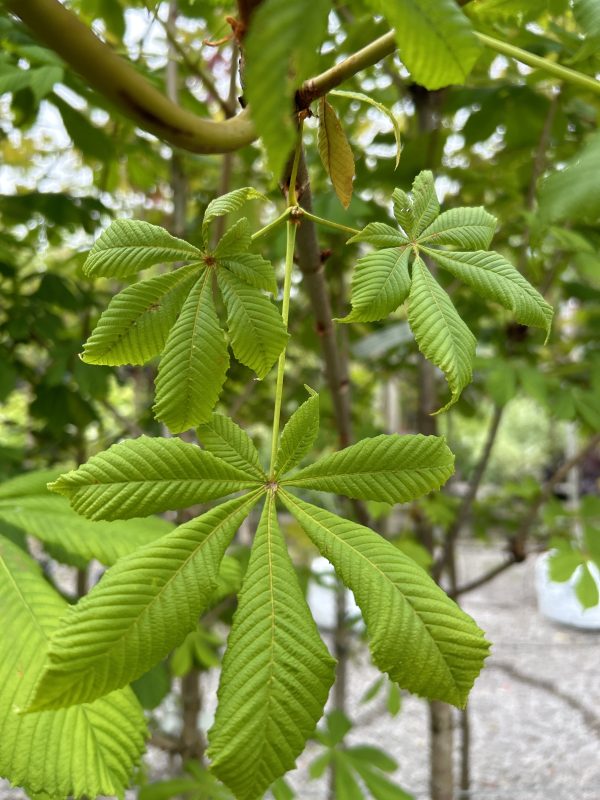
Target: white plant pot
558,601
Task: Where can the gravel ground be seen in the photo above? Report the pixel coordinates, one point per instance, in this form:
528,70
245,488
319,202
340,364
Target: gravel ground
535,711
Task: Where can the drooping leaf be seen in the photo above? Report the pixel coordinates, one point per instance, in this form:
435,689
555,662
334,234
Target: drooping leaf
495,278
281,51
276,672
379,234
257,332
417,634
335,152
436,41
226,204
128,246
89,750
467,228
380,283
136,324
298,435
390,468
194,364
142,607
441,335
364,98
226,440
147,475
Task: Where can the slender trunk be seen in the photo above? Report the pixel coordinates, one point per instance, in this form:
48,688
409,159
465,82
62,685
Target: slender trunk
442,743
465,754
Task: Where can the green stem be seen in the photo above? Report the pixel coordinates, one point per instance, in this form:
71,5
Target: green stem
285,312
537,62
268,228
327,223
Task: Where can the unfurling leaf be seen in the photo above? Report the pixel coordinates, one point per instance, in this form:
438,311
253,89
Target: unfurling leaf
335,152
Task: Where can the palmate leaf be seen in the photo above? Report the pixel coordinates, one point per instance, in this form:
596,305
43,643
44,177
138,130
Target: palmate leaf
226,204
256,328
417,634
226,440
390,468
194,365
379,234
253,269
440,333
128,246
236,239
136,324
335,152
467,228
276,672
298,435
380,283
436,41
147,475
424,202
142,607
88,750
495,278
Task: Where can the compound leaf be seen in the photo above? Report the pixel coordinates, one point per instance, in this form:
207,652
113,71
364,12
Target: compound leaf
253,269
276,672
195,362
417,634
236,239
226,440
467,228
335,152
257,332
140,610
390,468
226,204
136,324
425,205
89,750
380,283
147,475
129,245
403,211
441,335
298,435
379,234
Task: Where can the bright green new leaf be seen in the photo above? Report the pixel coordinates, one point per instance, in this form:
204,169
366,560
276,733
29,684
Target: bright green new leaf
128,246
467,228
440,333
256,329
193,367
424,201
586,588
390,468
253,269
276,672
226,440
236,239
281,50
495,278
226,204
298,435
436,41
364,98
417,634
136,324
140,610
89,750
335,152
147,475
380,283
379,234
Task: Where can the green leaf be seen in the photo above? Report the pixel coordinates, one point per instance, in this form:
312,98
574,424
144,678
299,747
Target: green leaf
380,283
573,193
140,610
467,228
253,269
380,235
128,246
256,329
89,750
147,475
420,637
495,278
226,440
403,211
436,41
441,335
195,362
494,10
587,14
235,240
276,672
136,324
562,564
364,98
280,52
586,588
335,152
226,204
425,205
390,468
298,435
